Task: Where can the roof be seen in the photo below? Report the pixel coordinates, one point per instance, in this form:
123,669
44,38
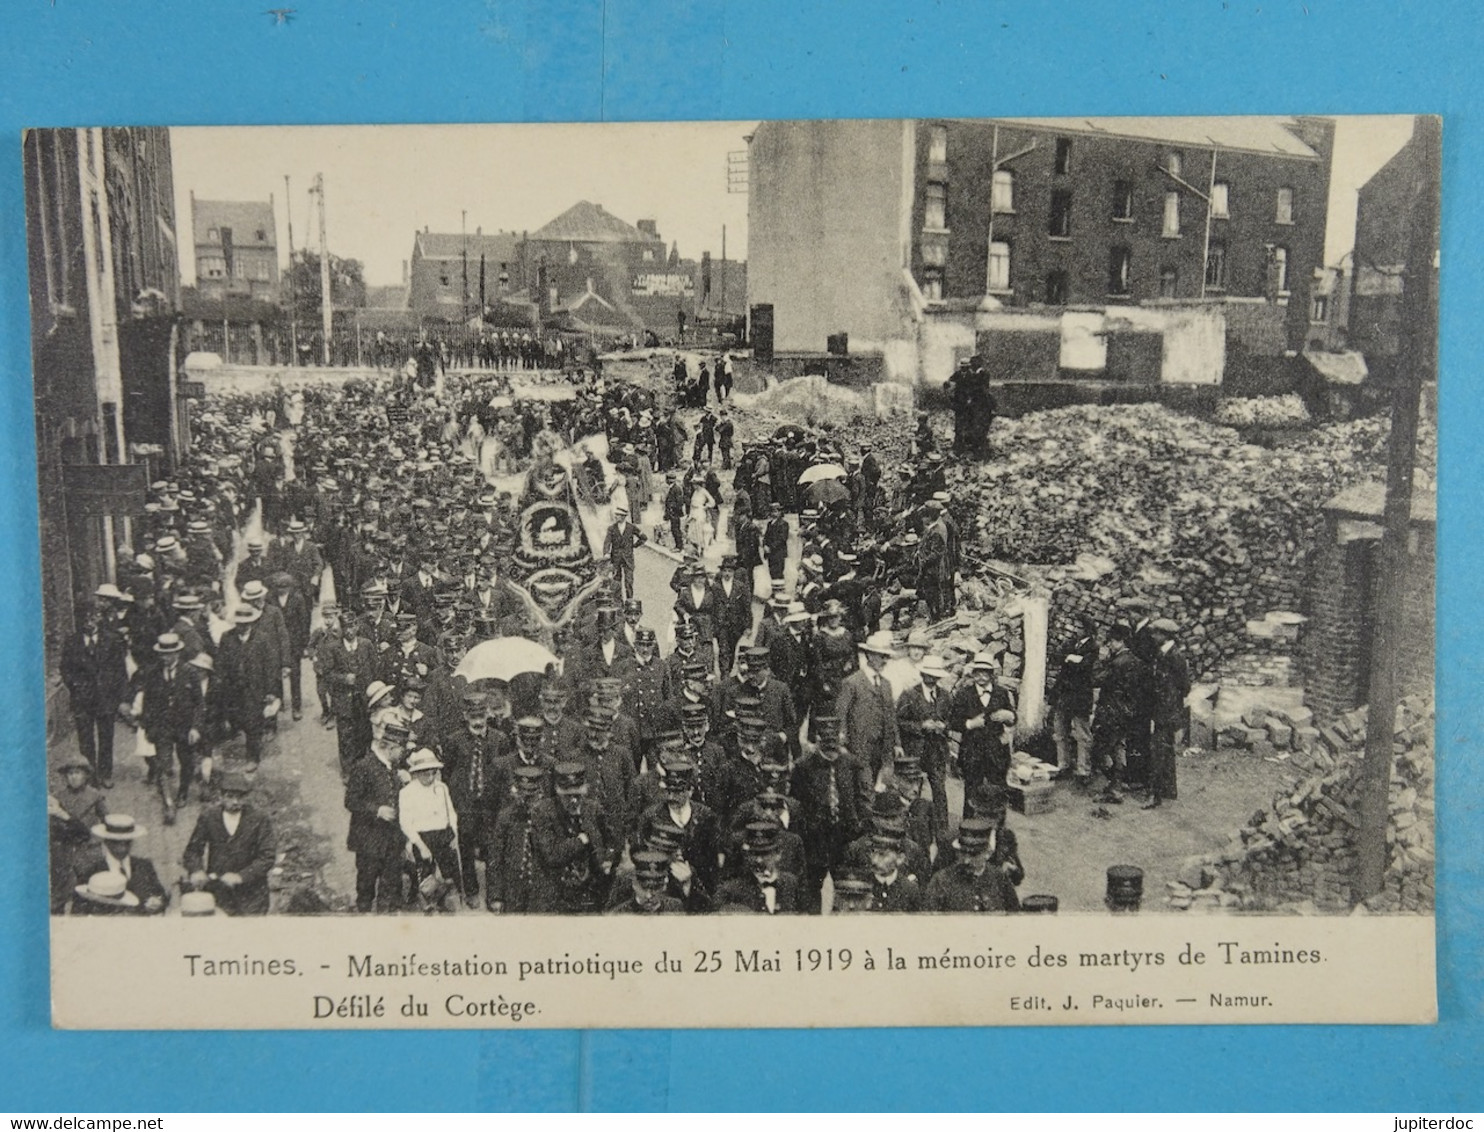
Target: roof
1338,367
496,247
1368,501
245,217
1250,134
587,223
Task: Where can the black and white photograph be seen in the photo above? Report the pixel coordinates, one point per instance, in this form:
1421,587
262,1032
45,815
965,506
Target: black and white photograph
919,517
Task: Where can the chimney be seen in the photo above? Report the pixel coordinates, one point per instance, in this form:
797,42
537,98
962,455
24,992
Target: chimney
649,228
479,231
404,273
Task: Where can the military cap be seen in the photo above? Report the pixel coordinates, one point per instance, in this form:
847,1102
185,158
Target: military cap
760,837
530,775
888,833
691,712
569,776
679,771
530,725
651,869
974,833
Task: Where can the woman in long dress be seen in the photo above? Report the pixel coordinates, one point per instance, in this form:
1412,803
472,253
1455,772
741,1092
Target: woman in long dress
698,526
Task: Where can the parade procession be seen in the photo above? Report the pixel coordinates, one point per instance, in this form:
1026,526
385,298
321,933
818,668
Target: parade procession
575,585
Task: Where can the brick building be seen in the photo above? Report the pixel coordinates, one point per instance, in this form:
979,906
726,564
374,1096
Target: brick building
450,272
1384,207
105,291
1343,601
236,248
876,228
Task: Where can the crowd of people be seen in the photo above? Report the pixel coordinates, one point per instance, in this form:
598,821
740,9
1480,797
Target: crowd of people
791,753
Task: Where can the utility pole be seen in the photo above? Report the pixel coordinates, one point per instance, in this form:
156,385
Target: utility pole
326,302
1418,357
723,270
288,212
464,232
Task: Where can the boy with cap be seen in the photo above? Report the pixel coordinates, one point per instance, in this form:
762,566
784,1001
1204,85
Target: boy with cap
73,808
232,850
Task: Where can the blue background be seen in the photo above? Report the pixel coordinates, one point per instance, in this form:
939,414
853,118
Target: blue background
92,62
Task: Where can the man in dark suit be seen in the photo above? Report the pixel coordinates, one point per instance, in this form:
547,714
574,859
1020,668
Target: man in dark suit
791,655
977,729
301,559
1071,704
1170,679
775,543
231,850
375,837
674,508
97,683
701,838
867,707
922,718
828,783
171,714
732,614
1120,729
350,667
618,548
114,853
249,677
762,888
294,607
575,847
474,785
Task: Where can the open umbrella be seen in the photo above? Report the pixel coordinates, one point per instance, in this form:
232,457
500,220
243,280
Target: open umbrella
822,493
816,472
504,658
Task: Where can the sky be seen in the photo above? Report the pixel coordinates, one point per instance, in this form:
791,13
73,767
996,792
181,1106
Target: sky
383,183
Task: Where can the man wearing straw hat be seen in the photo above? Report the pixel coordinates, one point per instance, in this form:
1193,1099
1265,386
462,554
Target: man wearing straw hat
171,714
250,678
867,707
113,853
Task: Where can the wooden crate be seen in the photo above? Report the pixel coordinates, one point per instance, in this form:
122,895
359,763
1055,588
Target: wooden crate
1032,798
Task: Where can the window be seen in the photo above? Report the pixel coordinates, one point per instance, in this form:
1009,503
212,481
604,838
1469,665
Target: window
1002,191
262,236
1123,200
1169,282
1173,163
1056,288
934,212
1221,200
934,253
1120,263
648,255
1280,269
1320,311
932,288
1061,214
1216,265
938,145
212,234
1172,214
1285,206
999,265
1063,156
212,267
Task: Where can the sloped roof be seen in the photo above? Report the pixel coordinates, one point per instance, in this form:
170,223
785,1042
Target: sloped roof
588,223
245,217
1339,367
1250,134
496,247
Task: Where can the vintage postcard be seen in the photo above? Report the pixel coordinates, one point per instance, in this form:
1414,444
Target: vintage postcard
950,571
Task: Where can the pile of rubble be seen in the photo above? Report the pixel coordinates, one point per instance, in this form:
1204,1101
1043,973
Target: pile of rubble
1267,412
1298,855
1214,532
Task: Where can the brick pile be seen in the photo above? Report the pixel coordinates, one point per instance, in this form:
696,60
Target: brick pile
1298,854
1217,534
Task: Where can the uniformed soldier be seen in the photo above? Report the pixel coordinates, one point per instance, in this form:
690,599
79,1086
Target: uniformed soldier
763,888
971,885
648,895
